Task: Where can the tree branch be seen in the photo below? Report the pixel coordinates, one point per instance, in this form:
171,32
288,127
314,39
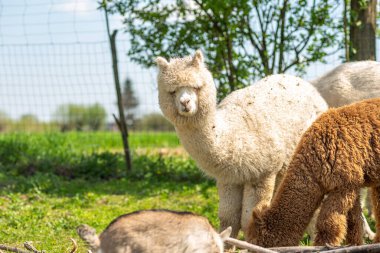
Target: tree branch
282,19
274,52
305,249
30,248
248,246
253,39
264,55
12,249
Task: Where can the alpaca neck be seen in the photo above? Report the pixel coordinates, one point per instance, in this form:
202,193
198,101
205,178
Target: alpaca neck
294,204
198,136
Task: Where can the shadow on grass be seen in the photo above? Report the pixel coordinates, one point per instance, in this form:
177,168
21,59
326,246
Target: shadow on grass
53,185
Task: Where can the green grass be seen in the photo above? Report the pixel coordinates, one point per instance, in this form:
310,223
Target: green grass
46,209
73,155
90,141
51,183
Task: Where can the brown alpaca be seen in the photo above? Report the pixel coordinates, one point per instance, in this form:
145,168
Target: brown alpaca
336,156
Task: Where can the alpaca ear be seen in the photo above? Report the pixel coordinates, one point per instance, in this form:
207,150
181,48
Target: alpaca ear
162,63
197,59
225,234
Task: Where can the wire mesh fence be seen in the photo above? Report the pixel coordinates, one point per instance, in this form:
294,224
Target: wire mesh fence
56,69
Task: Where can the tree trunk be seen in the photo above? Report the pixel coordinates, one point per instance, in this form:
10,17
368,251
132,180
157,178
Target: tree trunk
363,30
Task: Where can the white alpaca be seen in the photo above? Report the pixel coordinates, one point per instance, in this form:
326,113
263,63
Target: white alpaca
244,141
349,83
346,84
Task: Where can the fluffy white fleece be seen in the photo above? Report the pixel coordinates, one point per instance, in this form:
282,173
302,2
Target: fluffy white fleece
349,83
243,142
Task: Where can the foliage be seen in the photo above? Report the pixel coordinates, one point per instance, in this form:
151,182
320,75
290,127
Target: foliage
378,21
243,40
154,122
4,121
130,102
26,123
80,117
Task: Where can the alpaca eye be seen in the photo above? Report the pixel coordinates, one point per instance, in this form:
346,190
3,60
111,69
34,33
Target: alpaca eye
172,92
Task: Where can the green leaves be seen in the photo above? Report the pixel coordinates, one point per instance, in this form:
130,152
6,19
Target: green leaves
242,40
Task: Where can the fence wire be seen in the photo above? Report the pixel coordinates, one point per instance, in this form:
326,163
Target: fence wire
55,66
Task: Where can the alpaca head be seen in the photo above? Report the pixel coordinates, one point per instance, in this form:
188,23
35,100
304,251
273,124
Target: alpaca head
186,88
259,231
266,230
256,226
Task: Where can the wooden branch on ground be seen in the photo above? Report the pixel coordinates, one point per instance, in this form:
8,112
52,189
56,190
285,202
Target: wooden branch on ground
12,249
248,246
357,249
30,248
75,246
368,248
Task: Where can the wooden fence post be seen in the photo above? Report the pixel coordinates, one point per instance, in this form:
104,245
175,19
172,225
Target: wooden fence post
121,121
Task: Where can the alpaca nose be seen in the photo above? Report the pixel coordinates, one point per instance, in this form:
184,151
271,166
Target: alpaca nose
185,102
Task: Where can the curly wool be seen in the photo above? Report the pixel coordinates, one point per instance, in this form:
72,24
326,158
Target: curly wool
349,83
245,140
337,155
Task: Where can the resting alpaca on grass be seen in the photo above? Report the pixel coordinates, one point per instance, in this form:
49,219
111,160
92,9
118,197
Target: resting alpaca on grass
245,140
156,231
349,83
336,156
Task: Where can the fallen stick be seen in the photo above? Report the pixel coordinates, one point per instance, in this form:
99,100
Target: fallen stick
248,246
357,249
30,247
303,249
368,248
12,249
75,246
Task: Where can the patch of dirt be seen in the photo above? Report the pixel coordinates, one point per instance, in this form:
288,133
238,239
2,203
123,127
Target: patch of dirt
178,151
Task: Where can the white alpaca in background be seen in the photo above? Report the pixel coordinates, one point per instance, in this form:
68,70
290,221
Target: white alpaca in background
349,83
245,140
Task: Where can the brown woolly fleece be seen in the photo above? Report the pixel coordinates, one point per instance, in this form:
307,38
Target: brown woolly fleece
337,155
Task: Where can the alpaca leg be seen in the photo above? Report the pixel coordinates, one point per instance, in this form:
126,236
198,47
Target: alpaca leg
230,205
365,202
355,224
256,196
332,221
368,203
376,211
310,230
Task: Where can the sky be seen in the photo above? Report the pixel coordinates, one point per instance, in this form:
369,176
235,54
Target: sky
55,52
